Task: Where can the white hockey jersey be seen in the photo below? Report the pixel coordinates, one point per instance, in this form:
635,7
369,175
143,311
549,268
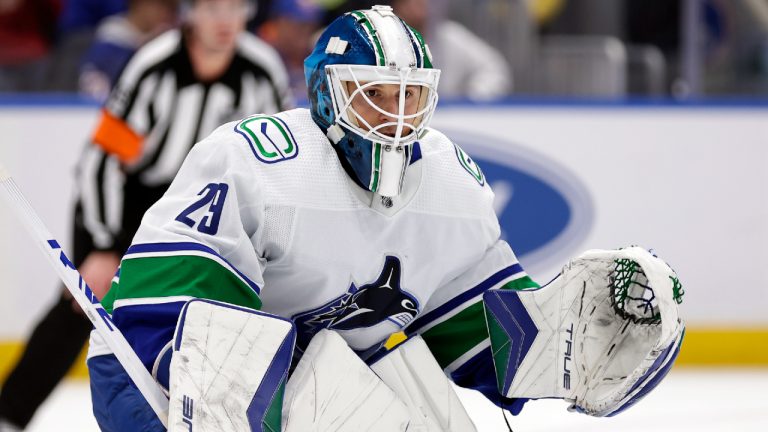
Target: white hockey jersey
263,215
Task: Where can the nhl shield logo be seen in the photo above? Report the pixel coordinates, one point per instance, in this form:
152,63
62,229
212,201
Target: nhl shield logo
362,307
269,138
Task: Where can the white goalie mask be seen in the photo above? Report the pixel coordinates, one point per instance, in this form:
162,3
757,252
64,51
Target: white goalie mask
415,98
388,107
378,92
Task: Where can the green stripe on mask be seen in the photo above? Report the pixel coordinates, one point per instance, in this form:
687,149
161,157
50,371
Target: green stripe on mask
362,19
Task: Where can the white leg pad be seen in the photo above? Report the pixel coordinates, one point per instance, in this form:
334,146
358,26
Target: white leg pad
333,390
228,368
412,372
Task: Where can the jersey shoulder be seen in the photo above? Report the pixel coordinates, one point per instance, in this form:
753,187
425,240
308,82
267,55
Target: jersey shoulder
290,157
276,138
450,157
452,183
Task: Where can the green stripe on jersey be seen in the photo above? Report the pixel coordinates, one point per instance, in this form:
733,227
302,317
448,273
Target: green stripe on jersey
455,336
522,283
181,275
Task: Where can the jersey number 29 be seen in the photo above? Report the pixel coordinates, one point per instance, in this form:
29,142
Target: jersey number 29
214,195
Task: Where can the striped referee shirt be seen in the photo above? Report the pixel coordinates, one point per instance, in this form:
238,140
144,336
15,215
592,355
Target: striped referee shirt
157,111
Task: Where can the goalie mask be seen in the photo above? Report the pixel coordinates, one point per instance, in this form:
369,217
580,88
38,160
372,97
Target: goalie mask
372,90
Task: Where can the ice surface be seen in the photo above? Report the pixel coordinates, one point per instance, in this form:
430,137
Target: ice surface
690,399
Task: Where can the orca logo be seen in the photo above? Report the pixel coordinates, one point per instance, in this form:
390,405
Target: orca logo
366,306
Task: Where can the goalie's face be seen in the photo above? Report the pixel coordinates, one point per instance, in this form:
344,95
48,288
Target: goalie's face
382,104
377,106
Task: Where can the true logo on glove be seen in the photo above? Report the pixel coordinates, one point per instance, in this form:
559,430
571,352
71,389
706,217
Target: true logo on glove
567,358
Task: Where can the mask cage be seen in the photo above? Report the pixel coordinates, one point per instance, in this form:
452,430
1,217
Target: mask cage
362,77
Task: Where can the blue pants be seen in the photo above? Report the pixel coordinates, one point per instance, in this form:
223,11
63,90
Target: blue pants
117,403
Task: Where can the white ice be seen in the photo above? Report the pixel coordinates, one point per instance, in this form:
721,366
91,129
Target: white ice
701,400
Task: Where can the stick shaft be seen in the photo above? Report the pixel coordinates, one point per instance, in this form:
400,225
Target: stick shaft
84,296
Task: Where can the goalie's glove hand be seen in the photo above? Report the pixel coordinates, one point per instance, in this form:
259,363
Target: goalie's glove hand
601,335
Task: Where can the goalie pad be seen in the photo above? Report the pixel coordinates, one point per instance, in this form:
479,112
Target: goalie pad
333,390
601,335
412,372
228,368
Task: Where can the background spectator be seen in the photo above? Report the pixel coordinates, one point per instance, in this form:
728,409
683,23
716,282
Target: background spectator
471,68
80,15
76,28
117,38
27,30
290,30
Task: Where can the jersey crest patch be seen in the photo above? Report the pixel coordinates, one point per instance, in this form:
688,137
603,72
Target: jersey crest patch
269,137
470,165
365,306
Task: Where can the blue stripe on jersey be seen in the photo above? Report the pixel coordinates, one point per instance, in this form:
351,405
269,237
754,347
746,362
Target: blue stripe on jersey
476,361
415,153
448,306
148,327
188,246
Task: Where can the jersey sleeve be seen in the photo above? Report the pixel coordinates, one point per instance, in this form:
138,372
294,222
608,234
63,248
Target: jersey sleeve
195,242
453,322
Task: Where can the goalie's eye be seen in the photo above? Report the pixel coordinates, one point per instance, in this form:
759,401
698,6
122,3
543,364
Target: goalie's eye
376,92
372,93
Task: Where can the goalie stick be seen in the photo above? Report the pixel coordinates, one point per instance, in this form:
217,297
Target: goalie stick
101,320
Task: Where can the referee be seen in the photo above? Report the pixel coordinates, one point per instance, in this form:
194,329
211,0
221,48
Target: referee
172,93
